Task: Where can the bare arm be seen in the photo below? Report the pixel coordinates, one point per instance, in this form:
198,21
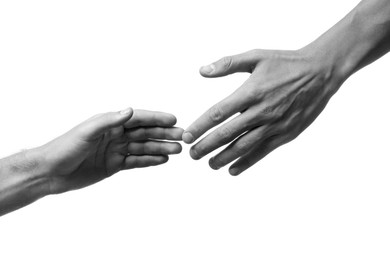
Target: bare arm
22,180
358,39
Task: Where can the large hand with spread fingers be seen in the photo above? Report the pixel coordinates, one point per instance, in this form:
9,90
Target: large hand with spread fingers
284,94
287,89
108,143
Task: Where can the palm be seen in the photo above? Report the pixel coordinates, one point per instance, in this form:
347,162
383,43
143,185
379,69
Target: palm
103,158
84,158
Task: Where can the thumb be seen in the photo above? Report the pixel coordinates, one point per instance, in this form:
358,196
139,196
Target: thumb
244,62
99,124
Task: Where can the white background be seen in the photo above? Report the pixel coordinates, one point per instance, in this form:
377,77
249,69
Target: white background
323,196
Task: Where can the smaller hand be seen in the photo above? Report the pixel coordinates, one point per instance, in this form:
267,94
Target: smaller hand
108,143
284,94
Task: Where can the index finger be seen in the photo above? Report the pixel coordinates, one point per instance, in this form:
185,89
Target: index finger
234,103
150,118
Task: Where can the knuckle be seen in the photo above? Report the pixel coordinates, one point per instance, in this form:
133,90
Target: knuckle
291,123
262,133
245,162
224,134
267,112
135,121
226,62
130,161
241,147
277,113
252,94
136,162
148,147
257,53
131,146
271,112
130,135
143,133
253,52
98,115
165,133
160,147
215,114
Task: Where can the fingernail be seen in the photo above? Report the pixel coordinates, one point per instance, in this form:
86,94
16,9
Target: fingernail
188,137
125,111
234,171
208,69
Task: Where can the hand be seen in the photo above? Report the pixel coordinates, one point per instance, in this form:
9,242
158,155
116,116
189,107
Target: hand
285,93
108,143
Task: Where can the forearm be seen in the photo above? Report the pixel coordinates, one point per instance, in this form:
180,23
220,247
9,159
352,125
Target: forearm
22,180
358,39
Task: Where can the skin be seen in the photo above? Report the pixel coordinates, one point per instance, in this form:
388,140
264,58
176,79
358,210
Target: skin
90,152
286,90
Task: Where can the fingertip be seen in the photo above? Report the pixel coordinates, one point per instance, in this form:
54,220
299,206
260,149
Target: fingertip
179,148
160,159
194,154
167,119
164,158
187,137
207,70
179,134
176,148
234,171
172,120
212,164
127,112
103,122
163,119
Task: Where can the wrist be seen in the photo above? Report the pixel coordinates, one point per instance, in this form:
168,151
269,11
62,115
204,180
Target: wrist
35,170
358,39
333,52
327,67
